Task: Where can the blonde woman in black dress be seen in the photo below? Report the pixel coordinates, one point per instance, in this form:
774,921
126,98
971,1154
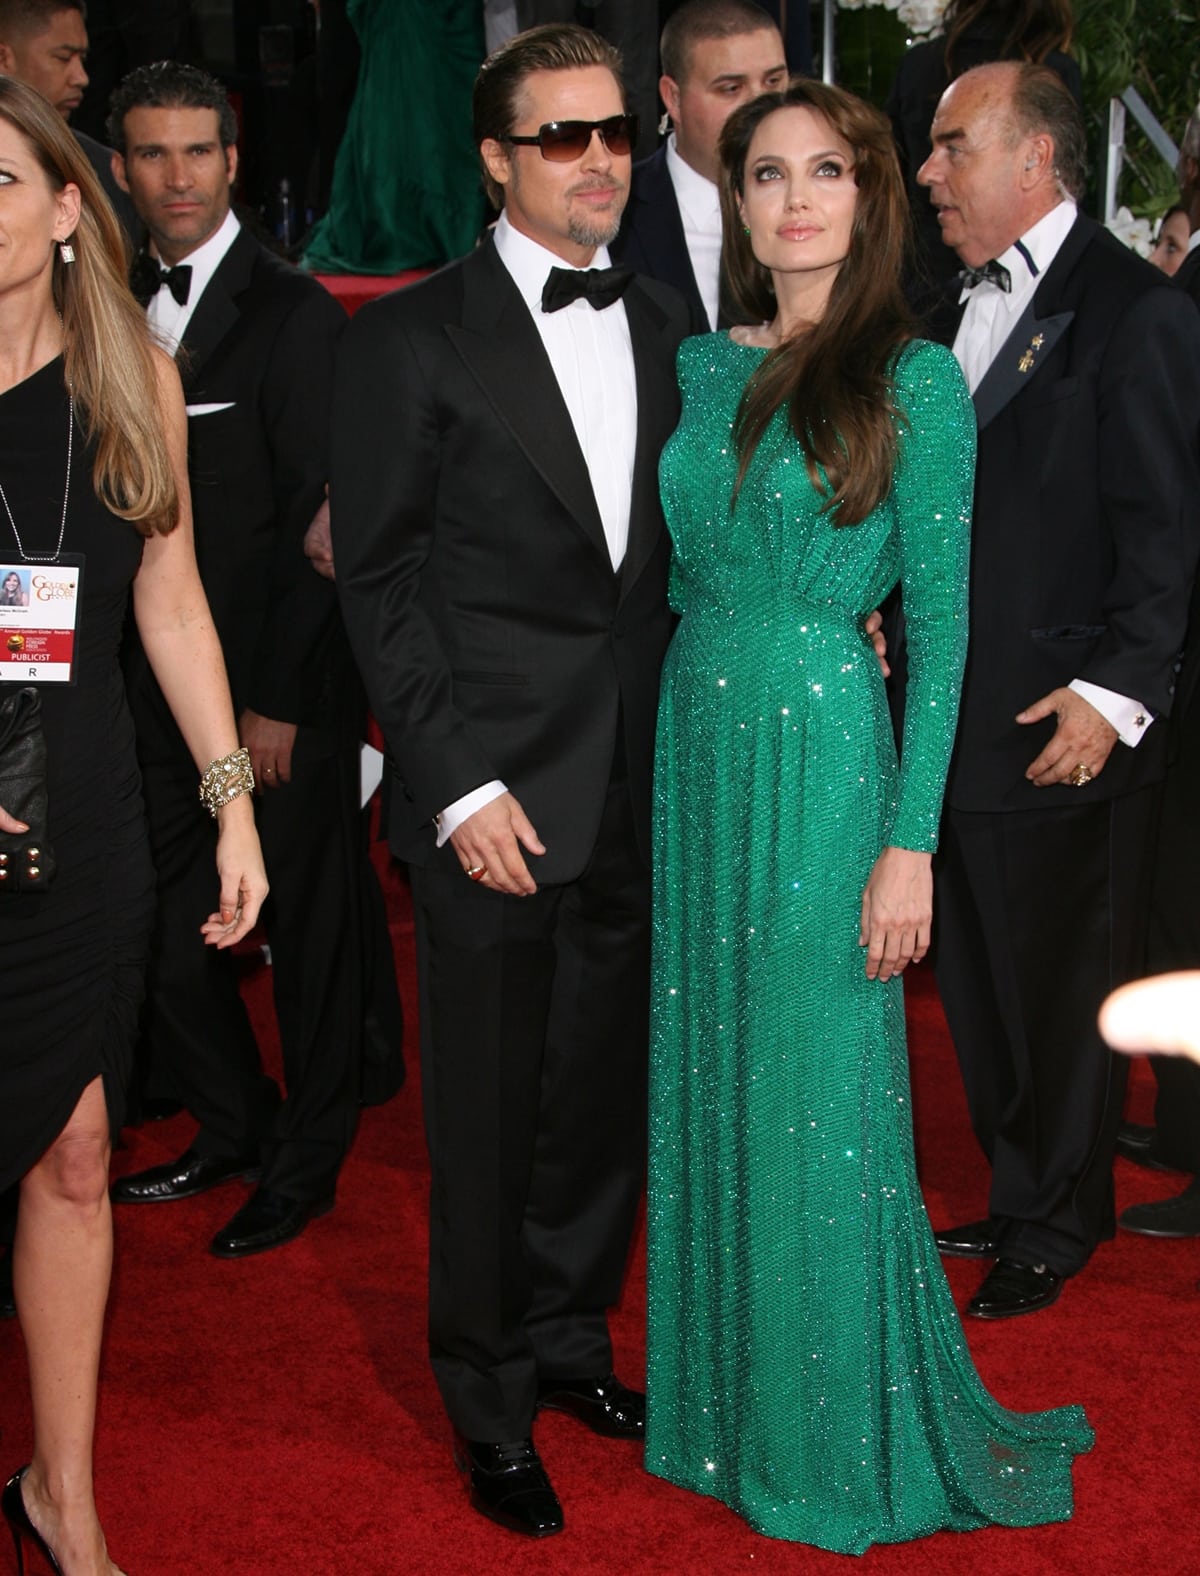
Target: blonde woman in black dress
93,470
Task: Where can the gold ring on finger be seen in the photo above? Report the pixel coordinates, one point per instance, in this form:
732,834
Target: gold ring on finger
477,872
1080,776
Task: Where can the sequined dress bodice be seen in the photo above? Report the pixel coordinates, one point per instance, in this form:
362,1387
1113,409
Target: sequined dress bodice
806,1363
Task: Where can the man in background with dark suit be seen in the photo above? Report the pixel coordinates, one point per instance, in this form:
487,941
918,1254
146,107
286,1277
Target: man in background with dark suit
1173,1142
44,43
502,558
257,341
716,56
1084,364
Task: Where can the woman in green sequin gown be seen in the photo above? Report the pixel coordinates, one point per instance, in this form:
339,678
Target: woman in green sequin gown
806,1364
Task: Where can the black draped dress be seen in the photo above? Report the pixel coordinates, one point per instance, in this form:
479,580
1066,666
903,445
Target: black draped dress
72,957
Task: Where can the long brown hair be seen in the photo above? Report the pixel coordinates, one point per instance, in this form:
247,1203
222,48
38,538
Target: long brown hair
1031,29
106,344
835,377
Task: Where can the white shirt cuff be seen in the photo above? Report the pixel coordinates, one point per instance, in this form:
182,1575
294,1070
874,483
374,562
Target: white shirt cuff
1129,717
453,816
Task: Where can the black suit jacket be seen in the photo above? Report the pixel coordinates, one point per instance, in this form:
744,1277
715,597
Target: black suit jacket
1187,276
651,238
261,344
1087,517
100,158
493,635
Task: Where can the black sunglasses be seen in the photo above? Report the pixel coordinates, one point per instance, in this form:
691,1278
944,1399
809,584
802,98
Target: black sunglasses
562,141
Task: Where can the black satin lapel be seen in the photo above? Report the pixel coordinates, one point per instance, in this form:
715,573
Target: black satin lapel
216,313
657,414
1017,363
503,351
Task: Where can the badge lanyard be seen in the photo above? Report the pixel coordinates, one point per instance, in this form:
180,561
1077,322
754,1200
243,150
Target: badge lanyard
39,601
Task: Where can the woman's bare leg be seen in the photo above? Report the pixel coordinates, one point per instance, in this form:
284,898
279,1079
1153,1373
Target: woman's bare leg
62,1264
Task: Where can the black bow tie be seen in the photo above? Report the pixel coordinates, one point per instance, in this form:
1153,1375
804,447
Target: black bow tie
599,287
992,273
148,276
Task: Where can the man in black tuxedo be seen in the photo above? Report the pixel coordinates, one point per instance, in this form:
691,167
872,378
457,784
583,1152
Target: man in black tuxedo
501,559
716,56
44,43
1173,1142
257,342
1084,363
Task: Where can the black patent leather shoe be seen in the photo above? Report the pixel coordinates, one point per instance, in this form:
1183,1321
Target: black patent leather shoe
978,1239
508,1484
267,1221
1137,1142
1012,1289
1170,1217
184,1178
12,1503
606,1405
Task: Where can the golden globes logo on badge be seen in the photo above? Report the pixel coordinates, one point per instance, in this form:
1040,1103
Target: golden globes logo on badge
47,589
16,643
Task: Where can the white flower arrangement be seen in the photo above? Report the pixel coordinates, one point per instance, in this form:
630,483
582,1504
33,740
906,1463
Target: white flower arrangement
920,17
1135,233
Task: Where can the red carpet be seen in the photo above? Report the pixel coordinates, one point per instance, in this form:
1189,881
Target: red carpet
277,1416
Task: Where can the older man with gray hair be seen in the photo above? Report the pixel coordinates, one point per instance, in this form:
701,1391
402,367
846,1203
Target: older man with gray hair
1084,365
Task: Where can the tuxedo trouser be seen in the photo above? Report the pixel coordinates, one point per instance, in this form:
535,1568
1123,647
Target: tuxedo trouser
200,1045
534,1017
1039,914
1175,940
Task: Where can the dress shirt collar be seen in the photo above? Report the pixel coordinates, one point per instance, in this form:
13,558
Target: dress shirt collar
166,317
695,193
1041,242
208,256
1193,241
529,262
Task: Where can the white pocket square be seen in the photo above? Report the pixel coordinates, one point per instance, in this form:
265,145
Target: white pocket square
209,410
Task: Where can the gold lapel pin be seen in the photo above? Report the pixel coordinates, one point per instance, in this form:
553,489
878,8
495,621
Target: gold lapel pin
1027,356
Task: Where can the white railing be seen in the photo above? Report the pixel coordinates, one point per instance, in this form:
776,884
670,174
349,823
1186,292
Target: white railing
1130,101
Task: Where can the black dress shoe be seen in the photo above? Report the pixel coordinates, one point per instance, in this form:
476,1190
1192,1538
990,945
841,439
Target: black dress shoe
1170,1217
183,1178
607,1406
1011,1289
978,1239
265,1221
508,1484
1138,1143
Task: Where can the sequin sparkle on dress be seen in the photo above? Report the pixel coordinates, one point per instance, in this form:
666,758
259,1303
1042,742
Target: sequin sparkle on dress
806,1364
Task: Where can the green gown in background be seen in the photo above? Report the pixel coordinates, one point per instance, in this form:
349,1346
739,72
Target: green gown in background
406,186
806,1364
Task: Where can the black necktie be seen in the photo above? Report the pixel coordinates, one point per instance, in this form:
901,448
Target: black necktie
992,272
148,276
599,287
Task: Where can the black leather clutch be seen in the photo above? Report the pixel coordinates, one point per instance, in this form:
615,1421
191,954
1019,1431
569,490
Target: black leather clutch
26,858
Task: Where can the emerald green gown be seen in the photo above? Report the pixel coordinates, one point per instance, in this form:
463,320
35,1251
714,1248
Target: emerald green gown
806,1364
